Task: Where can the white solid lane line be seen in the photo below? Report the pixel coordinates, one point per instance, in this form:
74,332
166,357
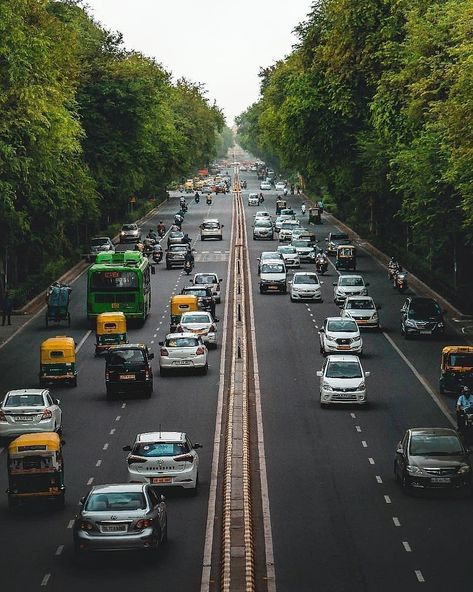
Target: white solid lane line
83,340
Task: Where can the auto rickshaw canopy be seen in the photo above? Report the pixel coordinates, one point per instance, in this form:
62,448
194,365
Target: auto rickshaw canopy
181,303
110,322
458,357
59,349
346,251
41,441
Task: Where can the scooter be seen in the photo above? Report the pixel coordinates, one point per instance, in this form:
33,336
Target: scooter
188,266
157,255
161,232
400,281
321,265
196,199
208,201
465,425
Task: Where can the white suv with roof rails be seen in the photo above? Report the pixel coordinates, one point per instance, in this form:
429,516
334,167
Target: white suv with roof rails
211,228
342,380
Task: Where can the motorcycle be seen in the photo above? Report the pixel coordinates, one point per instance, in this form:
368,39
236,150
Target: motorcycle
321,265
188,266
161,232
157,254
208,201
196,199
184,207
400,281
465,425
392,268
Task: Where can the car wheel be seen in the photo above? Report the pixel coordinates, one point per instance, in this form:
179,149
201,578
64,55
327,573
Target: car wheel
168,266
204,370
441,389
149,392
194,491
164,538
292,299
405,486
74,381
12,503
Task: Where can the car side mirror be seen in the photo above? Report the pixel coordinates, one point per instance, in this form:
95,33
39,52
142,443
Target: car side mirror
326,240
320,373
334,283
191,282
82,500
321,283
160,342
367,373
57,401
197,445
150,356
367,284
153,270
322,330
216,320
126,449
222,226
400,449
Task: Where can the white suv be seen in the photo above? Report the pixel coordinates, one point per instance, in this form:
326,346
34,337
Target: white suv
342,380
211,228
339,335
349,285
166,459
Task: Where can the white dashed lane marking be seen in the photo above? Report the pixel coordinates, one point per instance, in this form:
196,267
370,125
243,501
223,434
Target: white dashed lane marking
364,444
123,405
352,415
90,481
371,461
59,550
387,499
358,428
396,521
378,479
419,576
118,417
70,524
406,546
112,431
45,580
105,446
98,463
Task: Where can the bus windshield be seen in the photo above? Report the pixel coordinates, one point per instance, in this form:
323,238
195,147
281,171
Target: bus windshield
114,280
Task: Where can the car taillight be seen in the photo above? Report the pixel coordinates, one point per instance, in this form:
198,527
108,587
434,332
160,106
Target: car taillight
132,459
184,458
212,328
86,525
164,352
199,351
2,416
107,375
144,523
47,414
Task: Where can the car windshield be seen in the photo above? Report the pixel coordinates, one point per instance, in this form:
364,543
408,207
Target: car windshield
434,444
176,234
125,356
176,248
341,326
95,242
337,237
340,369
272,268
26,400
306,278
129,227
360,305
157,449
205,279
271,255
423,309
350,281
195,318
301,243
289,224
201,292
288,250
461,360
182,342
116,502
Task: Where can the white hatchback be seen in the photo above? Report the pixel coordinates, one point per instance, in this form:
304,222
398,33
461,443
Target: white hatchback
339,335
211,228
165,459
280,186
199,323
305,285
362,310
26,411
349,285
182,351
342,380
265,186
253,199
290,255
285,234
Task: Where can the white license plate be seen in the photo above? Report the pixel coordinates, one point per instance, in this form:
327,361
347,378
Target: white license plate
114,528
345,395
182,362
24,418
440,479
127,376
425,332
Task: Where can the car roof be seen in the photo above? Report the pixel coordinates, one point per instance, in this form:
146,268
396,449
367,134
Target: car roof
100,238
182,334
339,319
128,346
117,487
205,273
161,437
30,391
278,260
421,299
210,220
195,312
352,275
433,431
359,298
304,273
339,358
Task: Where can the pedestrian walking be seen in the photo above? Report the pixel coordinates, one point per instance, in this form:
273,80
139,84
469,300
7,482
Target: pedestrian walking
7,308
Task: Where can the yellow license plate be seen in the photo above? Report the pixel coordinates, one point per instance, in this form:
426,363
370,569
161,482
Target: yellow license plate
161,480
343,347
115,305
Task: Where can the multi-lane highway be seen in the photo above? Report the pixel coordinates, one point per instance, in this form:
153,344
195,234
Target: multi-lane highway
339,521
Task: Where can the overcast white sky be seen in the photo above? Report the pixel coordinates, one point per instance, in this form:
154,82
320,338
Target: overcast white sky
219,43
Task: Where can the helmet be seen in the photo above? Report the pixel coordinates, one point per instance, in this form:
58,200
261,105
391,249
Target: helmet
465,390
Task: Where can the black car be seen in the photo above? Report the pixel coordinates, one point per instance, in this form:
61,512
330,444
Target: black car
432,458
128,369
175,256
421,316
336,239
204,296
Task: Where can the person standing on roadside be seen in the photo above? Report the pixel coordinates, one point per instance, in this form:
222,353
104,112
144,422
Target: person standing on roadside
7,308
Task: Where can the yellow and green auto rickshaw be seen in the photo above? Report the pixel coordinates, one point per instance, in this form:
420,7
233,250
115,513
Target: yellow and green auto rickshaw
280,205
456,368
345,257
179,304
35,469
315,215
58,361
110,330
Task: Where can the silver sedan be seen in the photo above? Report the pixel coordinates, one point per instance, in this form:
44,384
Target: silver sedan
121,517
27,411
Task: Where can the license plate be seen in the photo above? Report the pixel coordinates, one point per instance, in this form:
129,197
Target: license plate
115,305
161,480
24,418
440,479
425,332
127,376
343,347
361,321
114,528
345,395
182,362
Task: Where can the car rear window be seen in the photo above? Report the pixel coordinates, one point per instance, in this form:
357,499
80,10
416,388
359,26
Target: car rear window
343,326
125,356
24,401
126,501
423,309
195,318
205,279
129,227
341,236
96,242
210,225
341,369
425,444
263,224
182,342
287,250
157,449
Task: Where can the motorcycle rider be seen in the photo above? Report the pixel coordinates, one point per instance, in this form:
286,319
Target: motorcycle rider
392,267
161,228
261,198
464,402
303,209
178,219
196,197
186,239
189,257
321,260
152,235
397,270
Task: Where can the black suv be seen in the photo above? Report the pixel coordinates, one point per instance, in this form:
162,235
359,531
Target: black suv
421,316
175,256
128,369
204,296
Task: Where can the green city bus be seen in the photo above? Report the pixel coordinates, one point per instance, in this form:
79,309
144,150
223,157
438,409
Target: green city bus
119,282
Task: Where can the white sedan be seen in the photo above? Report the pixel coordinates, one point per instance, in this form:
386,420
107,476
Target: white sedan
182,350
199,323
342,380
265,186
280,186
339,335
305,285
253,199
26,411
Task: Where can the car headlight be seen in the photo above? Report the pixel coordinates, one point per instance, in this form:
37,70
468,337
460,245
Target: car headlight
375,316
361,386
327,387
440,324
122,233
464,469
329,338
356,339
409,323
413,470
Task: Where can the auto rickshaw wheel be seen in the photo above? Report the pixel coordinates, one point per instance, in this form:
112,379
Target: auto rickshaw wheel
74,381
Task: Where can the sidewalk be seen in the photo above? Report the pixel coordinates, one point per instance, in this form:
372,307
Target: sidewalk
17,321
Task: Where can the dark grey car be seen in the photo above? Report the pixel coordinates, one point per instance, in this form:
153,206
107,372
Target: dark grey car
121,517
432,458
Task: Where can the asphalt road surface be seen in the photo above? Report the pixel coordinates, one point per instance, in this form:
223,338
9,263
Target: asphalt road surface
339,520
